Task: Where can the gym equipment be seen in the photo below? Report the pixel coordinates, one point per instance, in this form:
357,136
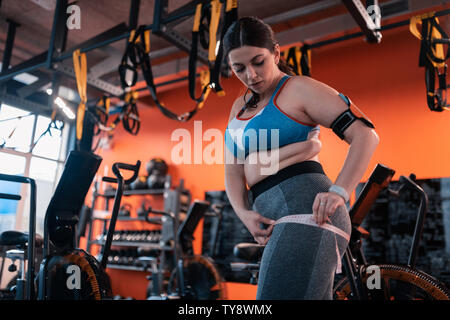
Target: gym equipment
299,59
222,230
156,181
193,277
20,239
139,183
125,210
398,282
60,252
68,272
157,165
432,57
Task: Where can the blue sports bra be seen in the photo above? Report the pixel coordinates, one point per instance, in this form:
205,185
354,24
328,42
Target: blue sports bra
270,128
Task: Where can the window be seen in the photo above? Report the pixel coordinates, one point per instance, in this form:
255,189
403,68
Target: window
42,162
16,128
15,166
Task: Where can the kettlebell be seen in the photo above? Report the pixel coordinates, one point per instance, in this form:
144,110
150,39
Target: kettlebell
157,165
139,183
156,181
142,211
125,210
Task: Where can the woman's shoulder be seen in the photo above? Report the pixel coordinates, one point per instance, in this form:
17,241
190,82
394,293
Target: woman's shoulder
300,82
305,86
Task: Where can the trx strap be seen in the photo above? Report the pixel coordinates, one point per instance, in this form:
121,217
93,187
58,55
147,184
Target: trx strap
130,115
193,56
230,16
212,16
80,67
101,115
137,53
432,58
299,59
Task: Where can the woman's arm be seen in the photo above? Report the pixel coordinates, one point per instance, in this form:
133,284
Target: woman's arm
236,189
237,192
323,105
289,154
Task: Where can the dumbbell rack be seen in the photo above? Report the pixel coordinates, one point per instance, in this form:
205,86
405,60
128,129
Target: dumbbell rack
172,203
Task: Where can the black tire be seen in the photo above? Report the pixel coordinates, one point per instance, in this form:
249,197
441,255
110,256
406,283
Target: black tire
398,283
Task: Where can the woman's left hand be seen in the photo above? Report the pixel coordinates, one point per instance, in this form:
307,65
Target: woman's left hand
325,204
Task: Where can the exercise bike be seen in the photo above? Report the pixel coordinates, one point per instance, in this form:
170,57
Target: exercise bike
67,272
397,282
193,277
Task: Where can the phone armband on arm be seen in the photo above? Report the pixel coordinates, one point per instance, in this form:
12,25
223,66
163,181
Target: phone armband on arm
346,118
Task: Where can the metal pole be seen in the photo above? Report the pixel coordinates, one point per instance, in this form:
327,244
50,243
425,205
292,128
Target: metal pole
383,28
7,53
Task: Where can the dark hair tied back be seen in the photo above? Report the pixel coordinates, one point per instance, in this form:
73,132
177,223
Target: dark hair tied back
252,31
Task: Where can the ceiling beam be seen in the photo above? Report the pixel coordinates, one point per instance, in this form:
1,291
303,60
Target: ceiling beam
362,18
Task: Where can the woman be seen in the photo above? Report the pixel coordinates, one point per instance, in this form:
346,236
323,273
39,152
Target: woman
301,254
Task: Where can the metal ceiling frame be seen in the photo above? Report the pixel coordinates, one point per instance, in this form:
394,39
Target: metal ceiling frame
52,59
161,26
362,18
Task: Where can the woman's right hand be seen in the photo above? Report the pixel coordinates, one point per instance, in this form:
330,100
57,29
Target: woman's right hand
252,220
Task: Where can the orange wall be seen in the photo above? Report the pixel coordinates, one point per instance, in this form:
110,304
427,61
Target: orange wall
383,80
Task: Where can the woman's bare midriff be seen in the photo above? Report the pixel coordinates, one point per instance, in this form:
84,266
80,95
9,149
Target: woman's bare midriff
260,165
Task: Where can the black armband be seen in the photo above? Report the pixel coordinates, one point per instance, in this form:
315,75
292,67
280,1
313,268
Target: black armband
346,118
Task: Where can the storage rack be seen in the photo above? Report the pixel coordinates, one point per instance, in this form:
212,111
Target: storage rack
173,202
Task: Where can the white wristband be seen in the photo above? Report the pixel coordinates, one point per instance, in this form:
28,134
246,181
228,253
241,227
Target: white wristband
340,191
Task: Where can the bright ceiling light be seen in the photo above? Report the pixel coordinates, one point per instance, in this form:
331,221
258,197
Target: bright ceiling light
67,111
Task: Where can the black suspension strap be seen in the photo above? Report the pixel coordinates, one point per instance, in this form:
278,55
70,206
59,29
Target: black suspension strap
206,23
100,114
193,52
137,55
433,58
299,59
130,115
230,16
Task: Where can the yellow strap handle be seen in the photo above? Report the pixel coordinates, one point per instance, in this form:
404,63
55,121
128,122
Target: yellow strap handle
231,4
415,21
439,52
132,95
106,104
204,80
146,39
80,67
216,7
130,38
431,32
197,17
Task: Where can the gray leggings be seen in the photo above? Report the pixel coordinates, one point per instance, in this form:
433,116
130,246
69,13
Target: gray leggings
299,261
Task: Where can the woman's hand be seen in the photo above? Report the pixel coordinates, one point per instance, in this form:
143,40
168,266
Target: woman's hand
252,220
325,204
314,134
